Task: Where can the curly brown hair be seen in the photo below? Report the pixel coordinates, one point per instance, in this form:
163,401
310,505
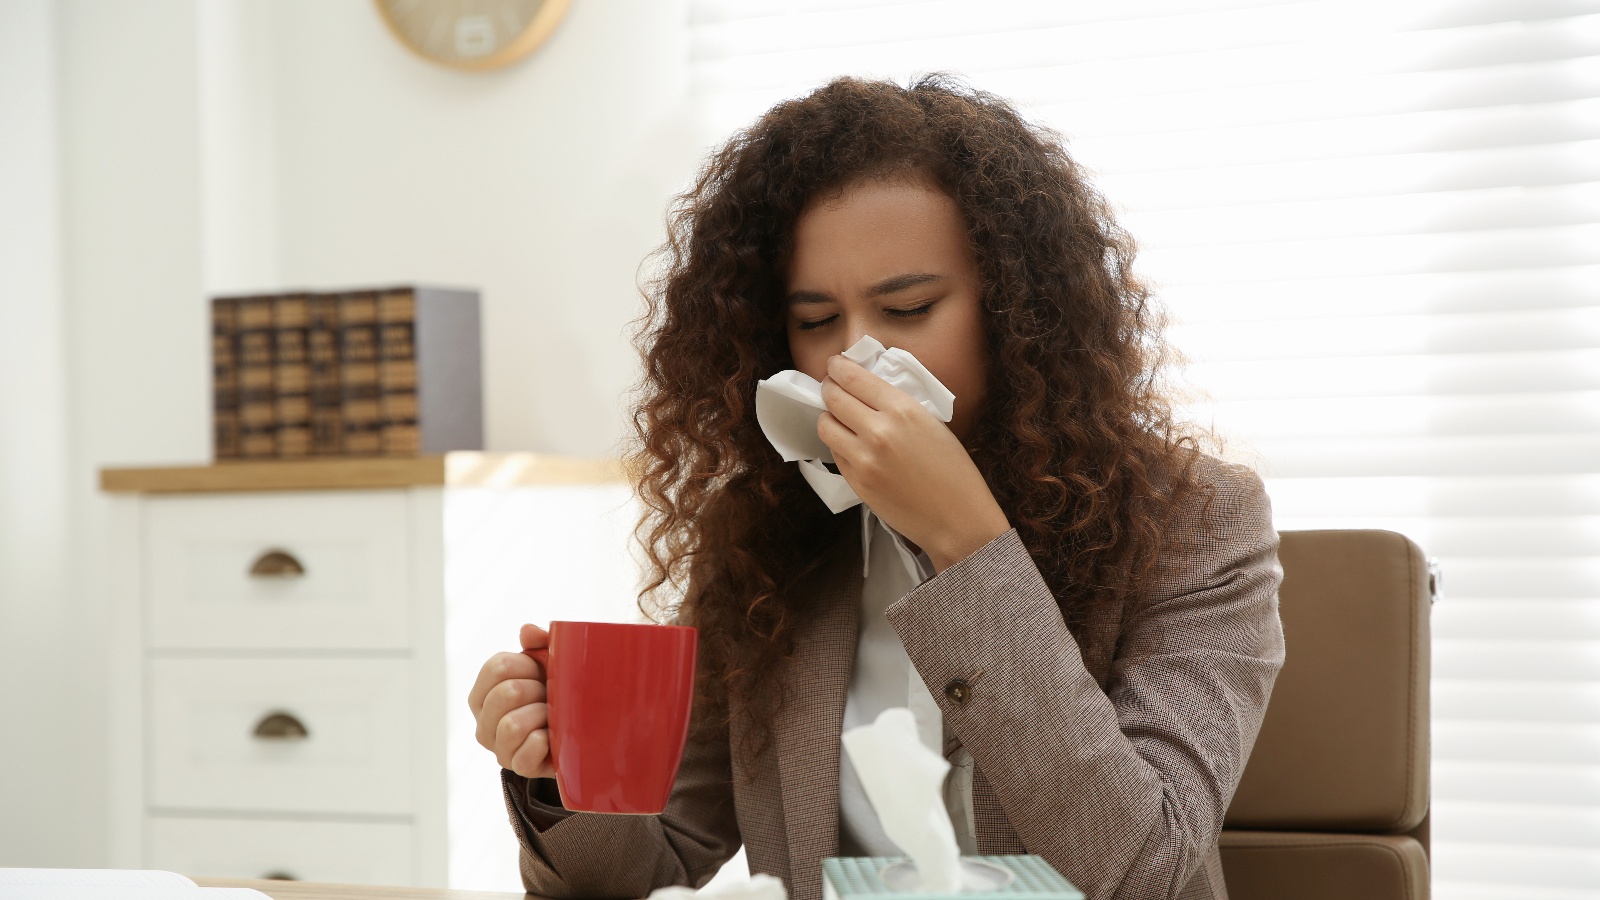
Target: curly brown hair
1077,443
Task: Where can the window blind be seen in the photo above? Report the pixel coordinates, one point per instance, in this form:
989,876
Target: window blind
1377,228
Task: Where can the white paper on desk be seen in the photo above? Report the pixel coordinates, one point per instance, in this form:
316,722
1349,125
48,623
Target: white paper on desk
124,892
761,886
789,404
93,877
111,884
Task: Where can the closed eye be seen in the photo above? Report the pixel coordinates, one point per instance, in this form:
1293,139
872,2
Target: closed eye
913,311
897,313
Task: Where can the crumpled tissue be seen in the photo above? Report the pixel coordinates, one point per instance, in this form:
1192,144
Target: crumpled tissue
904,782
761,886
789,404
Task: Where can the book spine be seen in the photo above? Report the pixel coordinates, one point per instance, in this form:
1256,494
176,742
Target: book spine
225,377
358,364
322,352
291,377
257,412
397,373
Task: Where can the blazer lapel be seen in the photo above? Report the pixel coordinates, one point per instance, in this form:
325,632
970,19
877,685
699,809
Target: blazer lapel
806,729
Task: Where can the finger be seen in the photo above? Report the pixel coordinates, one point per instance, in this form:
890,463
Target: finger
833,433
500,667
533,637
503,699
861,383
513,729
532,759
846,407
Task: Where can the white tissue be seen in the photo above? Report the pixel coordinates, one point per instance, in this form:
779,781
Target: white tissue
761,886
904,782
789,404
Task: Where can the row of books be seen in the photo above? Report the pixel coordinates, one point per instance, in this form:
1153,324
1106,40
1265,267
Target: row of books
383,372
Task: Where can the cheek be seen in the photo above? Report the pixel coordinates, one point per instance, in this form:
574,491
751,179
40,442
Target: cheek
962,361
809,360
957,370
970,384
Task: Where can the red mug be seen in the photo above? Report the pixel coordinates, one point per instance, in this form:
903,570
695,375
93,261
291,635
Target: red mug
619,698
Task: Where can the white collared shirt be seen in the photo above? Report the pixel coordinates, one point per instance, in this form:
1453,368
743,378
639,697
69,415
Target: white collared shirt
883,677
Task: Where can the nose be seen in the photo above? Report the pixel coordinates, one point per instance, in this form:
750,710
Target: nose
855,327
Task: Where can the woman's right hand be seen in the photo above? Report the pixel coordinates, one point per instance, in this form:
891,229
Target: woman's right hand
508,701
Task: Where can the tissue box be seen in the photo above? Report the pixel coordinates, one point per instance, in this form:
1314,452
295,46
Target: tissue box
844,878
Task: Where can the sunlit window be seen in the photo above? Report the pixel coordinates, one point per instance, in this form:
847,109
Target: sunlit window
1377,226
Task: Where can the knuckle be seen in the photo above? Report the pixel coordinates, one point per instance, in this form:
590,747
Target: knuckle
496,694
506,728
517,692
529,756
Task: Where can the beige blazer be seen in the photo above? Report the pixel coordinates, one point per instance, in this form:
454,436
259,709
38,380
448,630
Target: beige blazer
1115,765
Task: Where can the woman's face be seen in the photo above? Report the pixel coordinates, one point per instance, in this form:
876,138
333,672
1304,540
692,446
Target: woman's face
890,258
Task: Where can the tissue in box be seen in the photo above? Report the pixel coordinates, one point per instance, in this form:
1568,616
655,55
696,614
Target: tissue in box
847,877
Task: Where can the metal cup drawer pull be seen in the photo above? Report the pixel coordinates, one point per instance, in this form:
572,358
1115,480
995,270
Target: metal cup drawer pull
276,564
281,726
279,875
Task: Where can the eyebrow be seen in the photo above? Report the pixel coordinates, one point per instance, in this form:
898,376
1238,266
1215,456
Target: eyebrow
890,285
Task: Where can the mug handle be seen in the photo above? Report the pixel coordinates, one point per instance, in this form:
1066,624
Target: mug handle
541,656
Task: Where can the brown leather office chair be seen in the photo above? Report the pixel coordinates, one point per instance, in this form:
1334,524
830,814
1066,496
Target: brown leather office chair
1334,798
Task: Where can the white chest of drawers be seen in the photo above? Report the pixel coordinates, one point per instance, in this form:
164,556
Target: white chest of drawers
295,643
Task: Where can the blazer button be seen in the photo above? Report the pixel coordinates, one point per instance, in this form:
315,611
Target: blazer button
958,691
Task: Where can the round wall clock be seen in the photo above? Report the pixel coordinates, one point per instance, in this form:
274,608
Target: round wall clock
472,34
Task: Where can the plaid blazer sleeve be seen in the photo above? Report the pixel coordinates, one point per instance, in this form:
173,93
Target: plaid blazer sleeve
1124,789
601,856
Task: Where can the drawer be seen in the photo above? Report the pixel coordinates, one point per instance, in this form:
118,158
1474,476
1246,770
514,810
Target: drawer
351,547
341,852
221,735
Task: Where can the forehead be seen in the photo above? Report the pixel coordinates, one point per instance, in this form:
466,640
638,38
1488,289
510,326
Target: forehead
875,228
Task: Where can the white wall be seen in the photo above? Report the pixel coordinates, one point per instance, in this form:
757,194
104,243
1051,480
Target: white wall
43,657
187,147
544,185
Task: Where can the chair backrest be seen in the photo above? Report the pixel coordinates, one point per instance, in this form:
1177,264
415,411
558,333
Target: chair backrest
1344,747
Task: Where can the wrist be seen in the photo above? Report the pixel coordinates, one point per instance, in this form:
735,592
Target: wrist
968,541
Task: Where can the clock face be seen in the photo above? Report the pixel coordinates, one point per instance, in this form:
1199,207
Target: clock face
472,34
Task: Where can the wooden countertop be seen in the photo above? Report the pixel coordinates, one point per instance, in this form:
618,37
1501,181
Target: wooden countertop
459,469
308,890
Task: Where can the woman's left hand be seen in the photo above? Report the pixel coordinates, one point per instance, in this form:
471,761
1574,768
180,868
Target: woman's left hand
908,466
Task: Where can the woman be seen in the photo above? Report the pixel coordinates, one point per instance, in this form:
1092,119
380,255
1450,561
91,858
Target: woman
1088,600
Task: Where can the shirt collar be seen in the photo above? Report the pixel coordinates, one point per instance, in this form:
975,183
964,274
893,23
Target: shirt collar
919,566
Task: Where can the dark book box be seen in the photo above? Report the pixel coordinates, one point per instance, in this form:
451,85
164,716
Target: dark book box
291,375
387,372
258,412
225,377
